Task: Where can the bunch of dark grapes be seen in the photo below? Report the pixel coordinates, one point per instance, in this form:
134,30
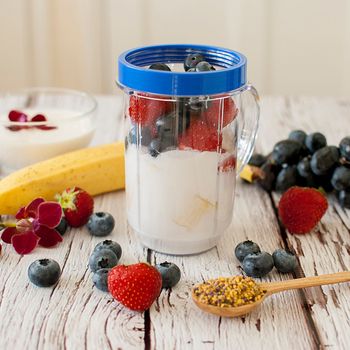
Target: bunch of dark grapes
306,160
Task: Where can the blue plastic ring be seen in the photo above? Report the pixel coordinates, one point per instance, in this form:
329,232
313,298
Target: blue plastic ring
135,75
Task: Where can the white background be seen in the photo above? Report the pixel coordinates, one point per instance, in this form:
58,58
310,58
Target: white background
294,47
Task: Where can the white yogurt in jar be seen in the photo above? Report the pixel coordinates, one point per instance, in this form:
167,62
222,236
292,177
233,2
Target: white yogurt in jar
178,202
27,146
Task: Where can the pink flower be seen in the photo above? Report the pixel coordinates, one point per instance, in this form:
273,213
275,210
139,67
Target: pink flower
35,225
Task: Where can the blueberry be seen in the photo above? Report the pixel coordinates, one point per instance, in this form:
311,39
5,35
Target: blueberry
245,248
258,265
44,272
170,272
324,160
102,259
344,147
286,178
154,147
160,66
198,104
166,129
101,224
166,125
257,160
284,261
315,141
268,181
192,60
341,178
141,136
100,278
111,245
62,226
297,135
344,199
204,66
286,152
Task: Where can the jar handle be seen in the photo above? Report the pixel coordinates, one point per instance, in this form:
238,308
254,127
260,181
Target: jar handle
249,114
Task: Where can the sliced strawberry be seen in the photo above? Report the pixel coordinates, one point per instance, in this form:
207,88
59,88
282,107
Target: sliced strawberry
228,164
213,114
200,136
145,110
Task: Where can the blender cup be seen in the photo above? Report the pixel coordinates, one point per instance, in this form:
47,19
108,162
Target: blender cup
190,129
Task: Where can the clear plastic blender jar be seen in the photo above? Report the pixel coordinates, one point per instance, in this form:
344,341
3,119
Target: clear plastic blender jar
190,129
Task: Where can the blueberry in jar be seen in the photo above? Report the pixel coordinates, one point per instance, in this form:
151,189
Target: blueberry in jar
138,135
204,66
160,66
154,147
192,60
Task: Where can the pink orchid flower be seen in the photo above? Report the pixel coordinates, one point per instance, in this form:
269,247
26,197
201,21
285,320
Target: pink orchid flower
35,225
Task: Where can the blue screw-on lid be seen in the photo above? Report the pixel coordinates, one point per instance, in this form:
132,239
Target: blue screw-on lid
135,75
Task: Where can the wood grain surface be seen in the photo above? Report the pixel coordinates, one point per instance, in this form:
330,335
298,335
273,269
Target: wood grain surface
74,315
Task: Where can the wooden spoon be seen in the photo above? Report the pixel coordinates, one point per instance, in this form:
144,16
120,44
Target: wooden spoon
272,288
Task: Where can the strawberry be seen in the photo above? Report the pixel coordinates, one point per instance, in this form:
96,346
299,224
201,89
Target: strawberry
301,208
200,136
77,206
146,111
228,164
212,114
135,286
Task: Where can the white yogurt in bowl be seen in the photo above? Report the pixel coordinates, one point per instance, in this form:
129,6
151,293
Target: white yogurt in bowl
72,120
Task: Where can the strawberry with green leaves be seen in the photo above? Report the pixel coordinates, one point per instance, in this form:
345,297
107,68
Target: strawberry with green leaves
77,206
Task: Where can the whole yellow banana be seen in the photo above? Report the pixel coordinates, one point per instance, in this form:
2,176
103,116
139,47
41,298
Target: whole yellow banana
97,170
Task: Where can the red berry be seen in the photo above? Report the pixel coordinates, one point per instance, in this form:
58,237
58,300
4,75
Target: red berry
135,286
228,164
77,206
146,111
212,114
200,136
301,208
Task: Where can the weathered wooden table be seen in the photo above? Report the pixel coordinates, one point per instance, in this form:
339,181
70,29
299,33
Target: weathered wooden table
74,315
